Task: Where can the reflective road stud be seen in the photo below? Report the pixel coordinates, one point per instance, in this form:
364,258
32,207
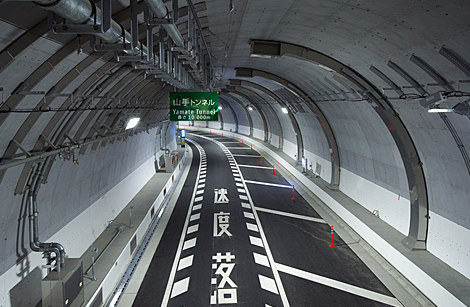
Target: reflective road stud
332,241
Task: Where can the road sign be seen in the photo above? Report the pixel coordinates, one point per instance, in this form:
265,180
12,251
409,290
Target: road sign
197,106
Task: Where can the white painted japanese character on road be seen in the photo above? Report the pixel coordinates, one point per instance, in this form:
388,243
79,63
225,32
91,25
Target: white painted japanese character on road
226,292
221,220
220,196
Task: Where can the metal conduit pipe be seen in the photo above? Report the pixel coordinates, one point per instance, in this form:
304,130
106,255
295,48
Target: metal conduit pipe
161,11
81,12
35,244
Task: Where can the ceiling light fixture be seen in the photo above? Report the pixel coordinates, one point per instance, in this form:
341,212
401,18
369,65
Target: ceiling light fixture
250,108
132,122
284,110
440,110
220,107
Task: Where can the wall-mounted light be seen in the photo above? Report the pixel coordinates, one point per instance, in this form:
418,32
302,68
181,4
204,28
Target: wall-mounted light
250,108
220,107
284,110
440,110
132,122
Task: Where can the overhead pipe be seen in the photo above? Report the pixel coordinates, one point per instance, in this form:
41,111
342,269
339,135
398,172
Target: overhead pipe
81,12
161,11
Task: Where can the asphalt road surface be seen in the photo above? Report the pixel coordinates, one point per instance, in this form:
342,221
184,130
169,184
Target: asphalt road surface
237,237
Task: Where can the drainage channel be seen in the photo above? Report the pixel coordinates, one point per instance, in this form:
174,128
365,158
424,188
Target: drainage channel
117,294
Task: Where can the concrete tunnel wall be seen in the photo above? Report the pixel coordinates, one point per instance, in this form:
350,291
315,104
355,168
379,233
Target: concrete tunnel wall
75,209
372,171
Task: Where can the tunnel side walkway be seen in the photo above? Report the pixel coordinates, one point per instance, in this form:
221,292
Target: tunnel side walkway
432,280
116,245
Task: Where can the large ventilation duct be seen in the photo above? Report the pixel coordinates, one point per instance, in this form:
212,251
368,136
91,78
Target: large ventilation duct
161,11
81,12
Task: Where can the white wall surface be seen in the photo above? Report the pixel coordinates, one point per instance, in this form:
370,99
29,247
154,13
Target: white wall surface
313,159
244,130
258,133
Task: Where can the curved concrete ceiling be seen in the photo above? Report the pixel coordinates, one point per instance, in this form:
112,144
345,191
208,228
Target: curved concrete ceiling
363,68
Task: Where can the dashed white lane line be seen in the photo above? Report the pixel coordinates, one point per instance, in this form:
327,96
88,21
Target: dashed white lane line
241,190
197,207
185,262
199,192
192,229
246,205
248,215
202,176
189,243
339,285
200,198
202,180
297,216
243,197
195,217
180,287
270,184
252,227
268,284
201,186
254,166
256,241
237,179
261,259
240,185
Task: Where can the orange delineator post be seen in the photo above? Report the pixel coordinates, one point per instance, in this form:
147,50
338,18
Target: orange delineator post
293,193
242,142
332,242
261,157
251,148
274,173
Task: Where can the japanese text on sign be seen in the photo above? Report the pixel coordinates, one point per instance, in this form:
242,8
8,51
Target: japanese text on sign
199,106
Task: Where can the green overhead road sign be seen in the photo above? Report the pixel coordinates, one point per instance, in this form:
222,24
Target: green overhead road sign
198,106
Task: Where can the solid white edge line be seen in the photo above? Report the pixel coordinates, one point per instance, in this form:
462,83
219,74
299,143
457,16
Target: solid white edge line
297,216
252,156
166,297
269,184
339,285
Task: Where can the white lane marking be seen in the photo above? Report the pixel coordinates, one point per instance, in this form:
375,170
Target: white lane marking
199,192
195,217
270,184
339,285
277,278
252,227
246,205
238,147
297,216
200,198
202,180
201,186
254,166
248,215
241,190
189,243
236,175
180,287
243,197
261,259
192,229
197,207
252,156
203,172
268,284
239,185
185,263
256,241
182,245
203,176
